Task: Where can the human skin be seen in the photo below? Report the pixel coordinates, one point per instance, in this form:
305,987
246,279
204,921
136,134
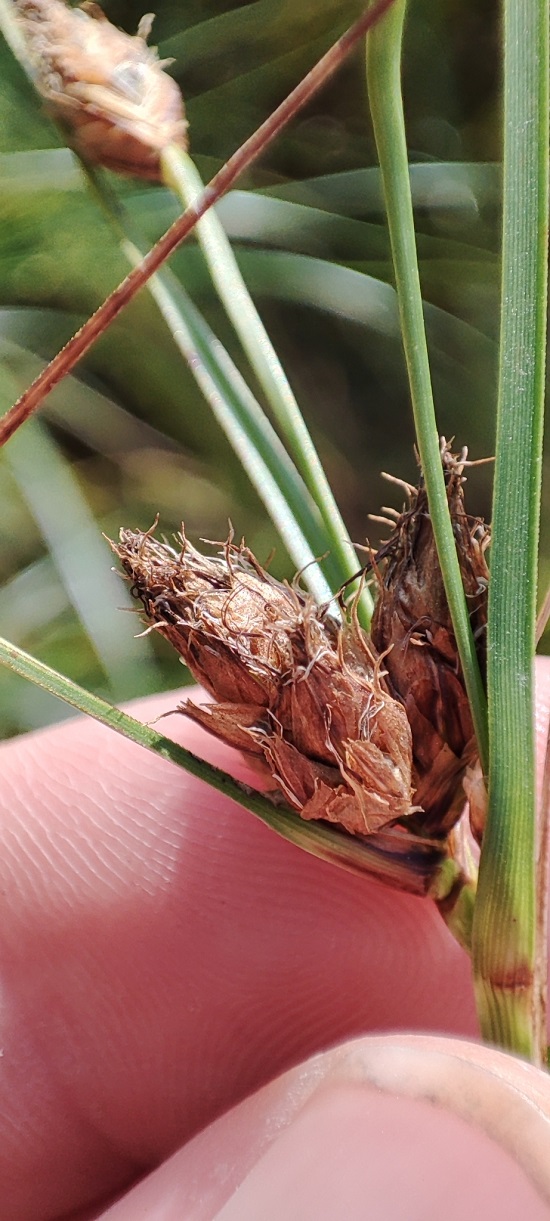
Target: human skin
164,956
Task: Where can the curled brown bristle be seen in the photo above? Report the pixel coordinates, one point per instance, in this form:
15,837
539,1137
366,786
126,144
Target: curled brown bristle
291,684
412,620
106,88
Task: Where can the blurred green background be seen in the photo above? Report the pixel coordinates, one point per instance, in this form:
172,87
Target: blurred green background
129,434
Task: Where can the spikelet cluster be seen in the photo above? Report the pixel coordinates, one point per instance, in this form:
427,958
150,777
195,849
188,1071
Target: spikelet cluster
291,685
362,731
107,89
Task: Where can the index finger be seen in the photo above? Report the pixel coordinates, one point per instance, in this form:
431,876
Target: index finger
164,954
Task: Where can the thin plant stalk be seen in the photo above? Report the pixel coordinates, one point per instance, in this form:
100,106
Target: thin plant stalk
257,445
181,175
86,336
384,87
265,477
508,954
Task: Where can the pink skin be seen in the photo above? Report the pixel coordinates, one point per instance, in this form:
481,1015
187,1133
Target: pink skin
164,955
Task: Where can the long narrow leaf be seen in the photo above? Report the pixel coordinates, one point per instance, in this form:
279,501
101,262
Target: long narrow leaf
246,426
506,956
180,173
384,83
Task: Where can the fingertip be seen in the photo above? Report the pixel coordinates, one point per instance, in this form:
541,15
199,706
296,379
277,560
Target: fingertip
384,1127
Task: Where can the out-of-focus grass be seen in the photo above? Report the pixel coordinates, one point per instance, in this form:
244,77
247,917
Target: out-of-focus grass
128,435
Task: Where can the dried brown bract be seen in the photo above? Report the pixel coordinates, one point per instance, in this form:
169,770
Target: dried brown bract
412,619
291,685
106,88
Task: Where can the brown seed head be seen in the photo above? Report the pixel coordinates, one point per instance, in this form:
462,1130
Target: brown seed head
413,620
106,88
290,684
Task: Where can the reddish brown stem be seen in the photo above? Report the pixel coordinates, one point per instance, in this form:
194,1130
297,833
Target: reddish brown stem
68,357
543,875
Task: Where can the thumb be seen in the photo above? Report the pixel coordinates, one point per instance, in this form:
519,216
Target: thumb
383,1127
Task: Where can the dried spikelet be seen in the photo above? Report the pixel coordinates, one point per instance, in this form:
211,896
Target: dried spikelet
291,685
412,619
107,89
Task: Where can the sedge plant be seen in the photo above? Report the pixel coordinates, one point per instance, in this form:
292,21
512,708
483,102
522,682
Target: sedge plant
501,922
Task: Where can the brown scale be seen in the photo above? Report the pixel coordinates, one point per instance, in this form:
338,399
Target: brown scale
412,620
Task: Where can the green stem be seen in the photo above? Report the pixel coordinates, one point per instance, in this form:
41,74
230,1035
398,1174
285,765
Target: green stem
181,175
259,449
505,926
384,86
